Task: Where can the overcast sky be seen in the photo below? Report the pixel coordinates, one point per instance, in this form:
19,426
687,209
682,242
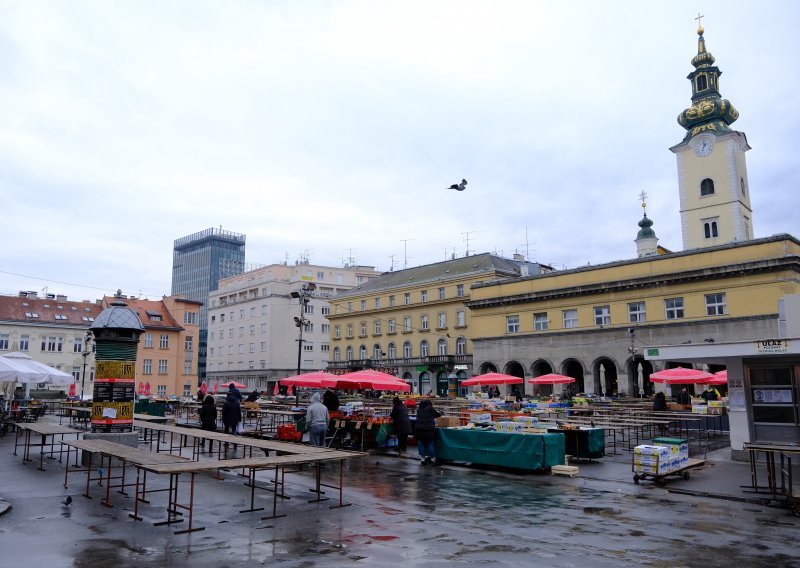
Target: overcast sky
331,129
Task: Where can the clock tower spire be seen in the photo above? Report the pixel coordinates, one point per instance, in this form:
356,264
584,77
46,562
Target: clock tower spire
712,172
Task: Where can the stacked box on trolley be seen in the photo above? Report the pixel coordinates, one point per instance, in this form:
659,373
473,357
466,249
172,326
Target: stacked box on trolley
654,460
671,454
678,451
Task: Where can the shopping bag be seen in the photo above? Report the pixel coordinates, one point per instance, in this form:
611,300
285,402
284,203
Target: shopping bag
239,428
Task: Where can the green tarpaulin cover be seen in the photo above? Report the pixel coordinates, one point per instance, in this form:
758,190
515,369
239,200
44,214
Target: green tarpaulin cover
522,451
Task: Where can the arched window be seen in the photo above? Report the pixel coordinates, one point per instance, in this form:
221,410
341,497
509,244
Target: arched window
349,353
392,351
407,350
423,348
702,83
461,346
376,352
442,347
707,187
336,354
741,183
362,352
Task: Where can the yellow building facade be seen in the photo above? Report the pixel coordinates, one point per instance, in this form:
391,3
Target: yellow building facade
594,323
414,323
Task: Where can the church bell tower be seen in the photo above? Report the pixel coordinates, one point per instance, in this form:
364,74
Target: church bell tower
712,172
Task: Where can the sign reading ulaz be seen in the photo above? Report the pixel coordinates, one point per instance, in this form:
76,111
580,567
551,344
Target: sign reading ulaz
772,346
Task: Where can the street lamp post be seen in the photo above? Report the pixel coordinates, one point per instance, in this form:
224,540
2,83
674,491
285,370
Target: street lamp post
86,350
304,295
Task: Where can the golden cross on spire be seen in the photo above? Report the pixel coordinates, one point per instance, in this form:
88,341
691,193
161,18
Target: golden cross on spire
699,19
642,198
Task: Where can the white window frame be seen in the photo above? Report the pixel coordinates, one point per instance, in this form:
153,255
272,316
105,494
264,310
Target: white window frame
540,321
512,323
716,304
602,315
637,312
674,308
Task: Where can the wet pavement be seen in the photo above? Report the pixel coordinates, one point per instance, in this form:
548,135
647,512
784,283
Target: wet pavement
407,514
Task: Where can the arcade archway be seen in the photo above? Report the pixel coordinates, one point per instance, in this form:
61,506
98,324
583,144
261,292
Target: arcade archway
605,377
573,368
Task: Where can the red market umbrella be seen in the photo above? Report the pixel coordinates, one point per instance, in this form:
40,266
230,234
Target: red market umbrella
72,390
235,384
140,390
147,389
344,383
720,378
551,379
309,380
370,375
277,390
204,388
290,391
492,379
216,388
681,376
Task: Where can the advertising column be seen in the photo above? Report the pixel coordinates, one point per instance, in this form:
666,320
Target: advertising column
116,331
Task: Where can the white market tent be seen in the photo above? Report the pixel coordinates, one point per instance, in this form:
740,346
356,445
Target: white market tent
19,368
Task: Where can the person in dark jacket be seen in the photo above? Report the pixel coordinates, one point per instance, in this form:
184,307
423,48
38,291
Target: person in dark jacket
401,425
231,414
659,402
425,431
683,396
208,417
252,397
330,401
236,392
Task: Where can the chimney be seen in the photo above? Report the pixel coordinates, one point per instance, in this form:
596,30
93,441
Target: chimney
518,256
61,298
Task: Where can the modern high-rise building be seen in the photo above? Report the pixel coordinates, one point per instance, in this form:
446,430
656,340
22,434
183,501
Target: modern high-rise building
198,263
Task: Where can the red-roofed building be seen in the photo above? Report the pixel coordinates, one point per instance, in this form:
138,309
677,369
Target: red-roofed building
167,354
49,329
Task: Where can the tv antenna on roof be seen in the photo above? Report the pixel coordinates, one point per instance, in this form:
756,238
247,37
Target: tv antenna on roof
466,240
405,252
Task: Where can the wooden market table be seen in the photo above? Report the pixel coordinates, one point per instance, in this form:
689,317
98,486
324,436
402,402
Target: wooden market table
45,431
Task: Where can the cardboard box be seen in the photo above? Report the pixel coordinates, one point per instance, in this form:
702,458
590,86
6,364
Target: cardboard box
447,422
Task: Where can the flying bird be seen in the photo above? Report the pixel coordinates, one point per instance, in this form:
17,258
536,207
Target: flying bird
67,501
459,186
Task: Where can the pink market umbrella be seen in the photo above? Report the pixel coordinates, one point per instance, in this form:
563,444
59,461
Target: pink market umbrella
681,376
290,391
551,379
235,384
147,389
277,390
492,379
371,374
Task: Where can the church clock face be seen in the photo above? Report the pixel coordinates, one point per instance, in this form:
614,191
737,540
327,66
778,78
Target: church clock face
703,148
